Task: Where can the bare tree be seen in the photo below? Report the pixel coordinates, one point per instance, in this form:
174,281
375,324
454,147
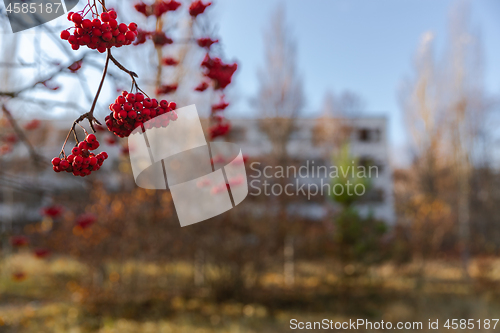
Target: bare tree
279,102
444,105
280,97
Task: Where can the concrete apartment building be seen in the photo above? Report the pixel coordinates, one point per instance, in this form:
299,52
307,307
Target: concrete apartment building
314,141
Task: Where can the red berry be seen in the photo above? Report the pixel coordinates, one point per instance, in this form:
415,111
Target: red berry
105,17
105,27
85,40
132,26
69,15
120,100
65,34
107,36
56,161
120,39
78,160
76,151
75,46
71,158
132,114
83,145
101,49
96,23
64,165
113,24
128,106
172,105
164,104
130,36
112,14
93,145
93,161
139,97
76,18
96,32
86,24
123,28
116,107
173,115
72,40
123,114
131,98
91,138
147,103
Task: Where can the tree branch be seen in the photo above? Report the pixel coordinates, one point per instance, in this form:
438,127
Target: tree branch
20,133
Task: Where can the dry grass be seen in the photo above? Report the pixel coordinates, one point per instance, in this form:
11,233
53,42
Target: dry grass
57,296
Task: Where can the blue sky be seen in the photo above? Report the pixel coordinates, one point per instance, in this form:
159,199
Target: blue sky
364,46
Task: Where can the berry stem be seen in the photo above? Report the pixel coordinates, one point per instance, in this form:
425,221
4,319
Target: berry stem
90,115
133,75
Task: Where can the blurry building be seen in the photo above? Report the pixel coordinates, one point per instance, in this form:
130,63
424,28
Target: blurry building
314,142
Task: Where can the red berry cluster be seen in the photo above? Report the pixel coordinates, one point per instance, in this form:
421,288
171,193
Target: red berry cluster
169,61
166,89
202,86
52,211
158,8
85,220
197,8
221,106
81,162
218,71
130,111
220,128
206,42
18,241
100,34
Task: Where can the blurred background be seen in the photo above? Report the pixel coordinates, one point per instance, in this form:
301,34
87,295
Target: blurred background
406,90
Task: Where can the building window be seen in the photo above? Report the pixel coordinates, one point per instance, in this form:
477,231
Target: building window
369,135
367,162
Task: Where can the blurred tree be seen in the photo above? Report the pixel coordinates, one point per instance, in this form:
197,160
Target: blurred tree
279,102
280,96
445,106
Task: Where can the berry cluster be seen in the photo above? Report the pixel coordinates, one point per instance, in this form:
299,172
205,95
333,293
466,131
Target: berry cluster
81,162
130,111
221,106
219,72
197,8
158,8
100,34
166,89
220,127
52,211
206,42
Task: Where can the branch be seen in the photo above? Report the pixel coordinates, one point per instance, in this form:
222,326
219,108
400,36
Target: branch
20,133
133,75
90,114
13,94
